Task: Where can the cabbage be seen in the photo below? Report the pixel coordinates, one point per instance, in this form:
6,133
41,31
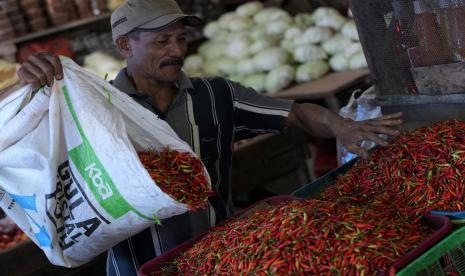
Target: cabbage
102,64
211,67
309,52
114,4
270,14
220,67
227,66
249,9
239,24
278,27
245,67
336,44
288,45
238,35
260,45
339,62
352,49
212,29
196,74
257,32
358,61
221,36
310,71
279,78
350,30
314,35
256,81
212,49
8,73
238,48
293,33
270,58
193,63
304,20
226,18
237,78
328,17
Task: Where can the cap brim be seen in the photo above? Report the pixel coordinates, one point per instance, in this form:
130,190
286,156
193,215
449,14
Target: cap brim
169,19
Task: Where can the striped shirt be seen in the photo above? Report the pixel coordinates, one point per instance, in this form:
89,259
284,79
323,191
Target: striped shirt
210,114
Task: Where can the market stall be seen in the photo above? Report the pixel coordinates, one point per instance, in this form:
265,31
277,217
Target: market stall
314,54
414,53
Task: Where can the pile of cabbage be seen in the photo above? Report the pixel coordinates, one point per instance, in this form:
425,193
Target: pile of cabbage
103,65
8,74
268,49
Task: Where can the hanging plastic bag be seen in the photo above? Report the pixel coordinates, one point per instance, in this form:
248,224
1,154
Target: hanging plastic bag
70,176
361,106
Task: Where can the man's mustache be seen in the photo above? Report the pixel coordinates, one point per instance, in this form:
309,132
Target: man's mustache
173,61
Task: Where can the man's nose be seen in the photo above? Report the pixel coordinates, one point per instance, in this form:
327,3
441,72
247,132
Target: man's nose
176,49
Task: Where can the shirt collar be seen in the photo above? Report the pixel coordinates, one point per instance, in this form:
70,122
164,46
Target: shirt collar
123,83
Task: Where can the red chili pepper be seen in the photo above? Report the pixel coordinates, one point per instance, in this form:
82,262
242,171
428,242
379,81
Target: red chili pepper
417,172
334,238
179,174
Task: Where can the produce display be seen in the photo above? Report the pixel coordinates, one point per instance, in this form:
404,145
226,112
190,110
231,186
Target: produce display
179,174
308,237
114,4
418,172
17,18
103,65
8,74
268,49
12,22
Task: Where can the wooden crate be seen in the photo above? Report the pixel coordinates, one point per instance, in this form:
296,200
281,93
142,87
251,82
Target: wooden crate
276,163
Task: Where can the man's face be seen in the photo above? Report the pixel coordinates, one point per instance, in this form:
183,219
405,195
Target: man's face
160,55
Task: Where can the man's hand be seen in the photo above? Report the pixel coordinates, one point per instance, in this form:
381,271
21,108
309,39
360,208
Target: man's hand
40,70
351,133
321,122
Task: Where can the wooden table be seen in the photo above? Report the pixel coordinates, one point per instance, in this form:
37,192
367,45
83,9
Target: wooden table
325,88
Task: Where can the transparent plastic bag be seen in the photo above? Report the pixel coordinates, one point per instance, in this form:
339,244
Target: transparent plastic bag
361,106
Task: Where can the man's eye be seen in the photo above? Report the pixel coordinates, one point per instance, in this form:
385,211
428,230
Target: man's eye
162,41
182,38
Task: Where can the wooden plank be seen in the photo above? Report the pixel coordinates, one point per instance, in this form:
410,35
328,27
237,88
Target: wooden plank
442,79
327,86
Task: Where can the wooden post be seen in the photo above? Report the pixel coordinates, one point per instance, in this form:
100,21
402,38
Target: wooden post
376,27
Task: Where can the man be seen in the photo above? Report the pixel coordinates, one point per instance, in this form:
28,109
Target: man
209,114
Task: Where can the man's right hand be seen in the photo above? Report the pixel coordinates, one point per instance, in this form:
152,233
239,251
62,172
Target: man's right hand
40,70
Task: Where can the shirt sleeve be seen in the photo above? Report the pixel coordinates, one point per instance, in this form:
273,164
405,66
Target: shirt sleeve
256,113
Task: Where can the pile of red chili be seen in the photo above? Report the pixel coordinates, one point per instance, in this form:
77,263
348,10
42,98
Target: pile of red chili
419,171
179,174
370,219
11,238
308,237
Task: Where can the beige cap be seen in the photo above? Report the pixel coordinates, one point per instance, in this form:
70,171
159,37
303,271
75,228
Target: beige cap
148,15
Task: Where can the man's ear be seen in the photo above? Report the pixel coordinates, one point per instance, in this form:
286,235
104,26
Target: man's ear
123,46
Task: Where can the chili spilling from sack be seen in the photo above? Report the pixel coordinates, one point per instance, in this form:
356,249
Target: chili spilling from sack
179,174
